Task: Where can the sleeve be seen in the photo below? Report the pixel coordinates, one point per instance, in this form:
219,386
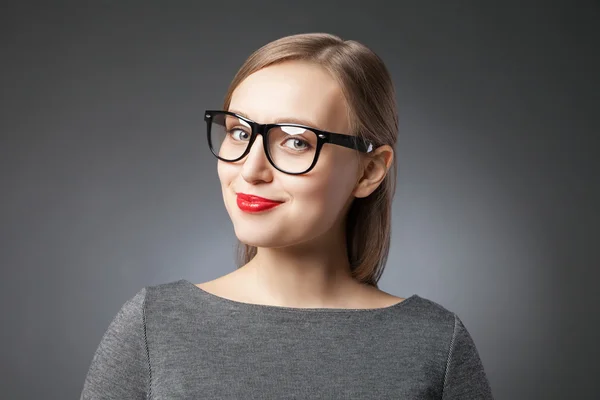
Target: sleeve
465,378
120,367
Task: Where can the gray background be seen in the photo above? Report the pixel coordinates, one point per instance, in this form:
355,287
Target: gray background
107,184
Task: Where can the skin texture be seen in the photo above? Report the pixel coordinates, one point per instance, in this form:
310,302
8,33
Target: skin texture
301,259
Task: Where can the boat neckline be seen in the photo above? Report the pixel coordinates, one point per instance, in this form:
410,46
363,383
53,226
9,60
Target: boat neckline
299,310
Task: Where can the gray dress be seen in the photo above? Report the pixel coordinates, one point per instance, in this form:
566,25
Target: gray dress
177,341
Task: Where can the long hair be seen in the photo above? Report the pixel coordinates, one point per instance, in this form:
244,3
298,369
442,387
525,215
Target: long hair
369,92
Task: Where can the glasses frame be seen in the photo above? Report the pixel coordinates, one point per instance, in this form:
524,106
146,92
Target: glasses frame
340,139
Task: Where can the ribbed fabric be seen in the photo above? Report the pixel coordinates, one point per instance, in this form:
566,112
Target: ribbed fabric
177,341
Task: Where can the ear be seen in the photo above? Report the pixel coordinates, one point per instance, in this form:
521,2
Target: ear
375,167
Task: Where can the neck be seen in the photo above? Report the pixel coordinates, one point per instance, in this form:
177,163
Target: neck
311,274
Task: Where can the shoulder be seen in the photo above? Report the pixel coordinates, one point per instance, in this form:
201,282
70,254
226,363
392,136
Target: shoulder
445,326
167,298
428,323
430,312
154,298
438,317
160,291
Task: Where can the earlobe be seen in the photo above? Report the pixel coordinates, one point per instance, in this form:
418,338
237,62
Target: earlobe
360,179
374,172
364,185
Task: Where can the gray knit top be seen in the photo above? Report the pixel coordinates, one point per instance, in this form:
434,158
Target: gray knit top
177,341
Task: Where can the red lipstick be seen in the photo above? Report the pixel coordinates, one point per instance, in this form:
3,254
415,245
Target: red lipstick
251,203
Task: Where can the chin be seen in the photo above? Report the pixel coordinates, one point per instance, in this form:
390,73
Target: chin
259,235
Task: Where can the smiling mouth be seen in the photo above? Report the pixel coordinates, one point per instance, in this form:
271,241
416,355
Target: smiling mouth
253,204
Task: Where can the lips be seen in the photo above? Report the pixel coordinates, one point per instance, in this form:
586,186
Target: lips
251,203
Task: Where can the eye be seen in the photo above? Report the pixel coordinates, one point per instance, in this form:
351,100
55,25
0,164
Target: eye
238,134
295,143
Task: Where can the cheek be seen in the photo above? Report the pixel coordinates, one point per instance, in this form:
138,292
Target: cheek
226,173
339,175
324,192
323,195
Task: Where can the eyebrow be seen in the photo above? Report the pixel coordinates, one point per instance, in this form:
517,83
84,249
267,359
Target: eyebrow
281,120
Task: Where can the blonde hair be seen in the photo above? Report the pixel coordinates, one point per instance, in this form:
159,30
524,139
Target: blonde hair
368,90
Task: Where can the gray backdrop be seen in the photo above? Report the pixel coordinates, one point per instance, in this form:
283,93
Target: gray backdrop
107,184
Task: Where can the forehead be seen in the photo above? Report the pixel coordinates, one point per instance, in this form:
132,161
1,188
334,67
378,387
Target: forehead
292,89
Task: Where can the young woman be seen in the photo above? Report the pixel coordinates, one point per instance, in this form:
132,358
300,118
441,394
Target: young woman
305,148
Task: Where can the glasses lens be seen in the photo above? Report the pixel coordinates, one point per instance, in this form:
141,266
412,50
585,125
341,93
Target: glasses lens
229,136
291,148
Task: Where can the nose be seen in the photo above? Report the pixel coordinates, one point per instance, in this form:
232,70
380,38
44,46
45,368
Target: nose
256,166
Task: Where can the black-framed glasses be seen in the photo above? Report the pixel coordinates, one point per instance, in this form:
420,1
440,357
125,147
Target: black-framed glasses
290,148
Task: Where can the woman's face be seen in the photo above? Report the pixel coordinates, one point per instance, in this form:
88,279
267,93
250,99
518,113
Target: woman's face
313,202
